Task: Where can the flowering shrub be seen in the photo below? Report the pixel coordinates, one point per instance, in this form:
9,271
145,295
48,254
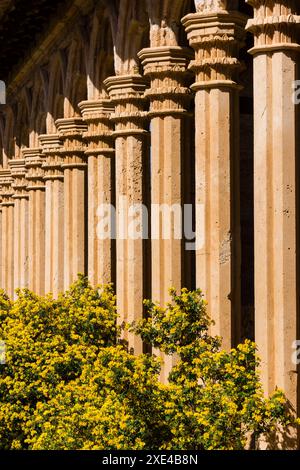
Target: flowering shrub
69,383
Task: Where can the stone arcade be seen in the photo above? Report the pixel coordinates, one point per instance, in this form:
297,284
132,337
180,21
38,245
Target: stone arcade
162,102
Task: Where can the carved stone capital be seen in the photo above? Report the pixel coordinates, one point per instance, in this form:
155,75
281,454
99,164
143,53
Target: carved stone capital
6,191
98,137
216,39
167,69
127,94
207,6
34,160
71,132
20,183
277,7
51,145
275,26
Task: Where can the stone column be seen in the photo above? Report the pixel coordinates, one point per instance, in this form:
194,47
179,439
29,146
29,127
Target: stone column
21,230
276,174
54,221
169,98
37,203
169,101
75,214
216,37
126,93
100,154
1,283
7,232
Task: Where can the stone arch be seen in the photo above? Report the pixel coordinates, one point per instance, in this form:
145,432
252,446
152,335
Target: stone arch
40,124
100,53
132,35
8,139
21,128
37,115
165,21
54,84
75,89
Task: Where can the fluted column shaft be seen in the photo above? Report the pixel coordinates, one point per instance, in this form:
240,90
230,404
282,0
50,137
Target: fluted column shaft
21,230
100,154
126,93
54,220
169,98
276,182
216,38
170,157
7,232
75,221
37,204
1,257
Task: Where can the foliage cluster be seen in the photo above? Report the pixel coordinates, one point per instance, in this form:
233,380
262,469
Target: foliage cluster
70,383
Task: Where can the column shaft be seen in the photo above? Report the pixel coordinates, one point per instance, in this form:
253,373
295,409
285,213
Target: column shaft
131,192
169,98
75,223
37,203
216,37
54,220
100,153
21,227
275,192
7,233
217,199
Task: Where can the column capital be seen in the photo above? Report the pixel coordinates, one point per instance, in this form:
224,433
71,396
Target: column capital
6,190
127,94
167,68
71,132
51,145
95,110
97,114
125,87
20,183
18,173
278,7
275,26
34,160
165,59
69,128
216,37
